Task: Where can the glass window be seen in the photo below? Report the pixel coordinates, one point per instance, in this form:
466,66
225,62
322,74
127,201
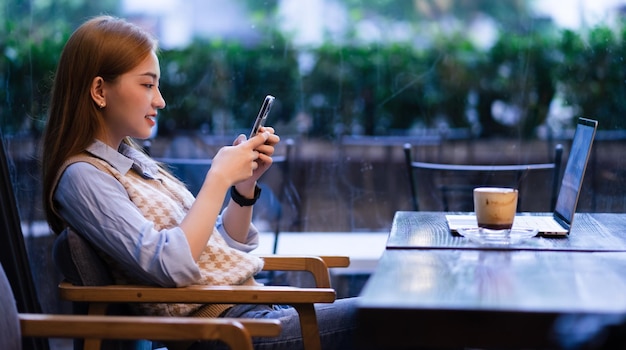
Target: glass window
479,82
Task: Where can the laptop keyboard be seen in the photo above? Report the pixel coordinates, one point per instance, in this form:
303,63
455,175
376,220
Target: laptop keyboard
542,223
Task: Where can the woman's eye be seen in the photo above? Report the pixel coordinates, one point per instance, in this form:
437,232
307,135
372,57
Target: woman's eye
149,86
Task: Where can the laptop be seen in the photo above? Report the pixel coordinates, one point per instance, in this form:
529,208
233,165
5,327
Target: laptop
560,223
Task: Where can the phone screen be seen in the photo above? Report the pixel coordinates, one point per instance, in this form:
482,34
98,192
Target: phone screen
263,112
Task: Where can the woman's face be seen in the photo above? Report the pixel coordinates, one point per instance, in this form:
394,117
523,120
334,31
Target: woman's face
132,101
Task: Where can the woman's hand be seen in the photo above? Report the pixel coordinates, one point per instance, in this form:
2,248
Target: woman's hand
266,150
246,160
233,164
236,218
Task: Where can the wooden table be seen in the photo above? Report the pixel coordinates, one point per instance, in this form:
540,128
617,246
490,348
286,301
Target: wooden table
438,290
429,230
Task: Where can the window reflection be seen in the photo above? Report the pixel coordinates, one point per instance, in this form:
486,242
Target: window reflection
473,82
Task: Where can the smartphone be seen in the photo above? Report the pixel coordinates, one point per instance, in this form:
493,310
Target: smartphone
262,117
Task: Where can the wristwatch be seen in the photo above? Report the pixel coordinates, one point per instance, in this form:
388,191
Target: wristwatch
243,201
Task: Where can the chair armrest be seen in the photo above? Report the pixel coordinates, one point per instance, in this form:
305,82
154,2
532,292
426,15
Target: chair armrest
318,266
302,299
258,327
196,294
336,260
236,333
331,261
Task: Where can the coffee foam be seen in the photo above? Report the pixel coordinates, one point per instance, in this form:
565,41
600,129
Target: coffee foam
495,189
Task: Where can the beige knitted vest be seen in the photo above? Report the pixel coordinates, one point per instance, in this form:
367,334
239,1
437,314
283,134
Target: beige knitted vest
165,202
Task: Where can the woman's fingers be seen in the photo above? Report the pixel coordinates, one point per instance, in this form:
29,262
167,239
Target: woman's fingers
246,158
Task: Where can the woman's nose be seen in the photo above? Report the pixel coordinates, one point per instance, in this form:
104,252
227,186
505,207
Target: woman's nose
159,102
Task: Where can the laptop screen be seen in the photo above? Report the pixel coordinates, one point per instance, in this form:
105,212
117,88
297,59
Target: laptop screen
571,183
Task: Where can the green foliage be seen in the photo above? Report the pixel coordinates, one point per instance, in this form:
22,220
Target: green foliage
262,6
593,74
386,87
396,10
220,86
369,88
26,73
32,35
519,74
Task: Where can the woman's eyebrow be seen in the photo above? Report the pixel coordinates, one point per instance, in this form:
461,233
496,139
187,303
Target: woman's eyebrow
149,74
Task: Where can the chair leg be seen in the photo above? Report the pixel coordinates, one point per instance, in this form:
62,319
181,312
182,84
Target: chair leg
92,344
308,326
276,233
95,309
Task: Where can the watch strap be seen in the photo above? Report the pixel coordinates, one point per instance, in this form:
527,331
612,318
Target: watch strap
243,201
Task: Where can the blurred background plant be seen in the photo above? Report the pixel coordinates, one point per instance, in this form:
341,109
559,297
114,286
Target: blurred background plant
439,75
593,74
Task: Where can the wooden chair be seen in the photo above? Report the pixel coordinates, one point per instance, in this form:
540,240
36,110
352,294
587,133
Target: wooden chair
88,281
234,333
453,183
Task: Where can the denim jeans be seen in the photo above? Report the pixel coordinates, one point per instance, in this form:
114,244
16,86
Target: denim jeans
336,324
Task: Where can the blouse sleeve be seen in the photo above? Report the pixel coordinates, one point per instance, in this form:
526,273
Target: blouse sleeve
252,240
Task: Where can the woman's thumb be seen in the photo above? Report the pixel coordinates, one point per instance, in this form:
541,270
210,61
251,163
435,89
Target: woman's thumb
241,138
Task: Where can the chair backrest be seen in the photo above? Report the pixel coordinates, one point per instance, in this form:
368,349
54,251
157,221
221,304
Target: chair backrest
13,254
78,261
451,185
80,265
10,333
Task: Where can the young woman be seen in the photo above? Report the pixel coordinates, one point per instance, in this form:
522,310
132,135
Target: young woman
145,223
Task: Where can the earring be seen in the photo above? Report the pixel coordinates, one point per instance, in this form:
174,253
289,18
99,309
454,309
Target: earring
102,104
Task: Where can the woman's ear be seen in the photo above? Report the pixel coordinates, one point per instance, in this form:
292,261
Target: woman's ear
97,92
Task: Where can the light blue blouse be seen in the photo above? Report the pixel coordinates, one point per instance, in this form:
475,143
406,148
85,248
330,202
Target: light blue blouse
95,204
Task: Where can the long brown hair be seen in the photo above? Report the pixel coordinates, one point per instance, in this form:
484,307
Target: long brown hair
103,46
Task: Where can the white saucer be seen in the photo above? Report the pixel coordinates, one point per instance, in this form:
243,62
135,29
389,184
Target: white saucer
497,237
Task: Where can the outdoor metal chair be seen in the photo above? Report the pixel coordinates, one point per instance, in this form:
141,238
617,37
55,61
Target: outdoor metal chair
450,186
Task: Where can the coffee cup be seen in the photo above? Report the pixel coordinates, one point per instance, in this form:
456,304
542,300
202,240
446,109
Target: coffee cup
495,207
